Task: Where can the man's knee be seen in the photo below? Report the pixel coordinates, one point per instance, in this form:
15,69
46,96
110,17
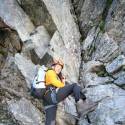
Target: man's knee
77,87
74,84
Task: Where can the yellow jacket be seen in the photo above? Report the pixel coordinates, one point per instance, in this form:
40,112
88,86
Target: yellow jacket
52,79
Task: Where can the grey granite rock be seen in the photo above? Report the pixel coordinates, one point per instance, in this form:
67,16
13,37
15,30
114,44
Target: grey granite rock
91,13
25,112
115,23
26,67
91,79
40,39
38,13
71,63
16,18
99,46
116,64
109,112
33,38
106,48
68,29
97,93
120,80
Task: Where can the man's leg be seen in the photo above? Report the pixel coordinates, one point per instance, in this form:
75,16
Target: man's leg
51,115
67,90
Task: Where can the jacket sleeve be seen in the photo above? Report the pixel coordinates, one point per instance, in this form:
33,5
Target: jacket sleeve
53,79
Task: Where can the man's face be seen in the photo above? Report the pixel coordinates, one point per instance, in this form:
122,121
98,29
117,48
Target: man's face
58,68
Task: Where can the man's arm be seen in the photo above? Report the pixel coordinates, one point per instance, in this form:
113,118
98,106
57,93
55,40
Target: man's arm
53,79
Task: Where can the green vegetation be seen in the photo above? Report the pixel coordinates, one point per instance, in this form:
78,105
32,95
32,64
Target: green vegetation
102,71
102,26
104,15
123,67
109,2
1,52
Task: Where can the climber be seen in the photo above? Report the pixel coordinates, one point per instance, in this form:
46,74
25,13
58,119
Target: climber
57,91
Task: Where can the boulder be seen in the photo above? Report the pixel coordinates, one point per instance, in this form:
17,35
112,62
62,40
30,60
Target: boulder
5,117
40,39
91,14
33,38
83,122
91,79
122,47
12,76
88,45
99,92
71,63
25,112
77,4
16,18
68,29
15,41
90,73
99,46
110,100
27,68
120,80
38,13
115,23
106,48
70,106
91,66
116,64
119,74
66,113
109,112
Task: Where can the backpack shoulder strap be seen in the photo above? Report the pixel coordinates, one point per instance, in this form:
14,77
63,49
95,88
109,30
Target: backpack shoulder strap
49,69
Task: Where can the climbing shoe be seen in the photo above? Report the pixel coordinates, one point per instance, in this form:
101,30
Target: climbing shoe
84,107
82,95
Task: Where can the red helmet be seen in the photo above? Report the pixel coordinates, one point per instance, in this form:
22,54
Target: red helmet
59,62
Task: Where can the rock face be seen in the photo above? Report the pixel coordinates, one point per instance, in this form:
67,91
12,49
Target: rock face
67,110
120,80
106,48
91,14
37,12
109,110
60,11
40,38
90,77
11,76
98,46
58,50
26,67
115,20
116,64
103,70
89,35
15,17
25,112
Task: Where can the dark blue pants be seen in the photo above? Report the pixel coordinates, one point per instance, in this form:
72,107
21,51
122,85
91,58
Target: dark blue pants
61,95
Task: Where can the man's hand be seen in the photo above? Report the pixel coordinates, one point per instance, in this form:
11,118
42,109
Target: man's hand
64,79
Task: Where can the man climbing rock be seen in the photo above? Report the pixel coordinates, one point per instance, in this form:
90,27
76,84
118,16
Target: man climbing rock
56,91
